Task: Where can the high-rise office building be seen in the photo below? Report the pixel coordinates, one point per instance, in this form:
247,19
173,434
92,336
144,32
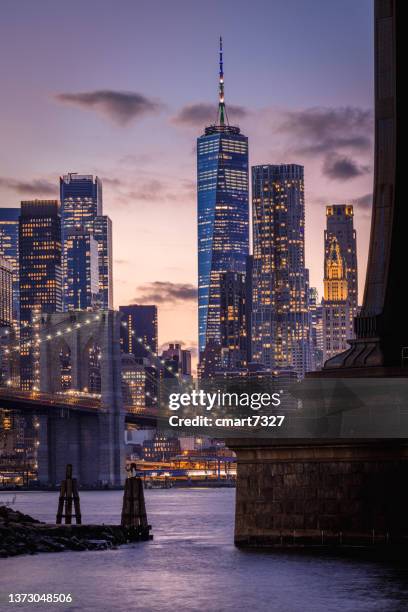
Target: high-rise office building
139,330
9,250
103,236
6,293
81,201
223,223
81,209
82,282
340,225
337,322
280,317
233,320
40,274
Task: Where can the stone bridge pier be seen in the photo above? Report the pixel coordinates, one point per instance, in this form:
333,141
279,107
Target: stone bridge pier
84,349
344,490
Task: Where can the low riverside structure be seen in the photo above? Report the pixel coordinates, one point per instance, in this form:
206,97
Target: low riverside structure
21,534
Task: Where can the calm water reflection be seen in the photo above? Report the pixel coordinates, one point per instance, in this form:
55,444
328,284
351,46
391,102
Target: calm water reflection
192,565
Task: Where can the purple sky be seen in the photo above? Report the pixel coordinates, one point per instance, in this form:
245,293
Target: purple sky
122,89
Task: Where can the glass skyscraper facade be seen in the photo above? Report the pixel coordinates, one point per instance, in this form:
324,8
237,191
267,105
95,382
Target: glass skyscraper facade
40,275
223,218
280,281
82,284
103,236
6,293
9,250
81,211
81,201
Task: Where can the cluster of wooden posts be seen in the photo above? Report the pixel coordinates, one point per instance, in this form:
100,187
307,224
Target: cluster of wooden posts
134,517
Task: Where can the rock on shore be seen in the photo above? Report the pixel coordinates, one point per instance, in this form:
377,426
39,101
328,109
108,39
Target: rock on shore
21,534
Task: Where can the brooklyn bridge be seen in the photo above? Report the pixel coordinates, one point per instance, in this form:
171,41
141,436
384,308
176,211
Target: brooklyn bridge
74,425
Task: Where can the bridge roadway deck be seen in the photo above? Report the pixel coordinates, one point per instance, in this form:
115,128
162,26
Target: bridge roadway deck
45,403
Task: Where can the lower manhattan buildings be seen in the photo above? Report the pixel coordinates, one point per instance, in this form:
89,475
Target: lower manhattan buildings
340,279
337,309
280,316
9,249
40,274
81,215
223,214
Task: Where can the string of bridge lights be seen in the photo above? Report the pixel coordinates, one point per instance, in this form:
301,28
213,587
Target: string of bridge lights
74,327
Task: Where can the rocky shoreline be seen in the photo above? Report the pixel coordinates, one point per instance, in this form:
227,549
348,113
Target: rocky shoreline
21,534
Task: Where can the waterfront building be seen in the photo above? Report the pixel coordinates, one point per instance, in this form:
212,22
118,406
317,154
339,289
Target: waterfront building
161,448
139,330
40,276
337,322
223,220
82,210
9,250
280,317
133,383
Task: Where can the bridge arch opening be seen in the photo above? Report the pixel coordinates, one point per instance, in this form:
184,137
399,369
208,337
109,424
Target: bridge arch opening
92,366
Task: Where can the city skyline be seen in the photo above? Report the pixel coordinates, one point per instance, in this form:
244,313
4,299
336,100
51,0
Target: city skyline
114,137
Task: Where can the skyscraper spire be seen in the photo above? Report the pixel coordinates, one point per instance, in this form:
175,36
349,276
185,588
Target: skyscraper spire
222,113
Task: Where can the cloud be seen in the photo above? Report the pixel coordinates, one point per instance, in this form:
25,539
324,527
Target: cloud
159,292
122,107
181,191
365,201
341,167
313,131
149,190
201,114
34,188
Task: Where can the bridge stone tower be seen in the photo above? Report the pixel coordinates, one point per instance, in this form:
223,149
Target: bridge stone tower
347,491
92,440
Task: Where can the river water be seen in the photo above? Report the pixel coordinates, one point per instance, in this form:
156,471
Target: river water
192,565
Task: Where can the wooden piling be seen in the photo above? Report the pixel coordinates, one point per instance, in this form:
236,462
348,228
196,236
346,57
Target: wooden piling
134,509
68,494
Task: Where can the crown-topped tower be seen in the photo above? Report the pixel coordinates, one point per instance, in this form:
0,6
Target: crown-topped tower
335,278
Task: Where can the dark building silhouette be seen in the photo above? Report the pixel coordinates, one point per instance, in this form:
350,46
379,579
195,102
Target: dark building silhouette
6,293
139,330
233,320
9,250
177,359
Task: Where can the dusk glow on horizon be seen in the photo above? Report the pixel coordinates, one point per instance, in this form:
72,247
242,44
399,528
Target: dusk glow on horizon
122,91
